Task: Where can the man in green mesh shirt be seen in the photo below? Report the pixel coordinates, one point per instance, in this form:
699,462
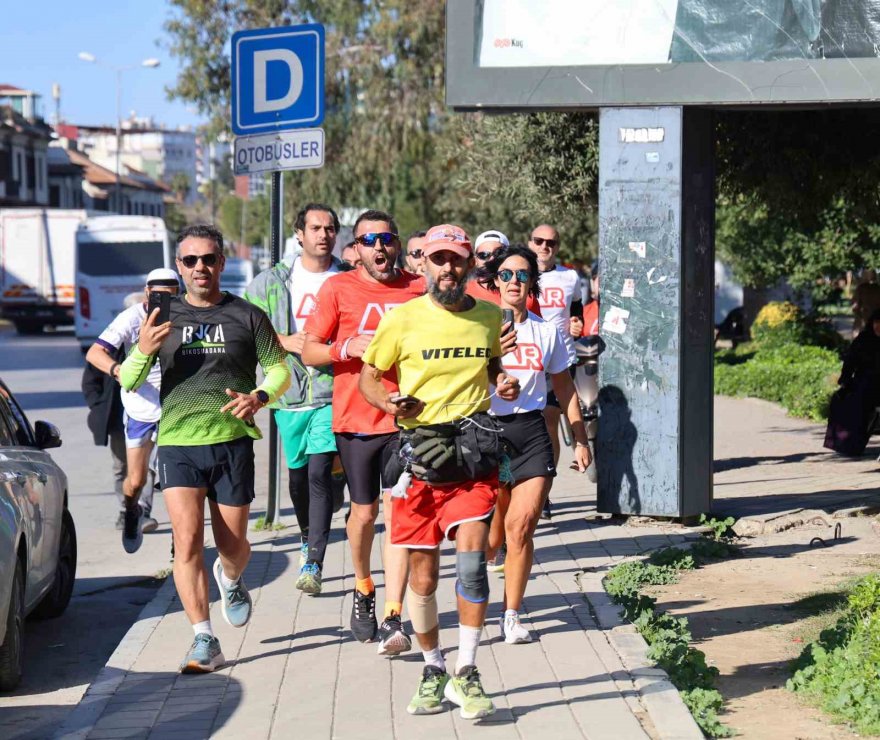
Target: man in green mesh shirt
208,353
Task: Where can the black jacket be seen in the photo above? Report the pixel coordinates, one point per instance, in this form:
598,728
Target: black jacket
104,402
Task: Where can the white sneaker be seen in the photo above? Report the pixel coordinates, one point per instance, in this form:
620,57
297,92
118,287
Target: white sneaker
514,632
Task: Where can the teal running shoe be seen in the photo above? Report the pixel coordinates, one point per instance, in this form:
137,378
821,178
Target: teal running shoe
309,580
236,601
303,553
203,656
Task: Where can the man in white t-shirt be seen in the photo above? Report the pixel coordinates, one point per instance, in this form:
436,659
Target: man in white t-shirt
561,304
287,292
141,407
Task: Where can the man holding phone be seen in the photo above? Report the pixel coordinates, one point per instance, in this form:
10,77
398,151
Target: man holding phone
141,407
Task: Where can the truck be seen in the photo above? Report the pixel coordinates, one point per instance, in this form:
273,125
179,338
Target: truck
37,282
113,256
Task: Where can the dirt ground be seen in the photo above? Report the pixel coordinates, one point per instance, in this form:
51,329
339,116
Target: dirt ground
753,615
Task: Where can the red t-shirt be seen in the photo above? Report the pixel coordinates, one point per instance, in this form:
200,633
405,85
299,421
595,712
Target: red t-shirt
349,304
476,289
591,319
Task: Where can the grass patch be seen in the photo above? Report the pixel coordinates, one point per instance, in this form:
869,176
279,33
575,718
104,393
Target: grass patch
261,525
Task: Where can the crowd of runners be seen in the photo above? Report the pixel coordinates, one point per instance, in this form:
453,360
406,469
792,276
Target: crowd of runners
436,374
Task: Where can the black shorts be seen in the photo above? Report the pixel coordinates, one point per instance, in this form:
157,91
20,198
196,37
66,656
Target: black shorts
226,469
551,396
363,458
527,444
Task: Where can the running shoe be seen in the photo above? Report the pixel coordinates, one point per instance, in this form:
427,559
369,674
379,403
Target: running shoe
496,565
429,695
309,580
132,534
303,553
203,656
148,524
363,616
513,630
465,690
393,640
236,601
546,514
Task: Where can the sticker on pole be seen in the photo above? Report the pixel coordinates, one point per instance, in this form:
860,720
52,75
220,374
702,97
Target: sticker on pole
287,150
277,79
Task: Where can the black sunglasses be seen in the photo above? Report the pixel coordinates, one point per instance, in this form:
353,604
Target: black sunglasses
522,276
385,238
208,260
485,255
417,253
539,240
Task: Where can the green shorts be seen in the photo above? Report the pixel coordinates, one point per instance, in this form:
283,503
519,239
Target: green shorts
305,433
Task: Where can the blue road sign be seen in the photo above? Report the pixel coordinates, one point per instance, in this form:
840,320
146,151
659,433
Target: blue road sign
277,79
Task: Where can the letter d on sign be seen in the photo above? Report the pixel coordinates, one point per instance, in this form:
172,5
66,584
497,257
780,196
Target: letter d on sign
262,104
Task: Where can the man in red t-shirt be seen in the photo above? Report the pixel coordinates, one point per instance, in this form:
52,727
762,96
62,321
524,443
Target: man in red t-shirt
347,312
485,245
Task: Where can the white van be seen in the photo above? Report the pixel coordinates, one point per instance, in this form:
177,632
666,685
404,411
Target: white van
236,275
114,254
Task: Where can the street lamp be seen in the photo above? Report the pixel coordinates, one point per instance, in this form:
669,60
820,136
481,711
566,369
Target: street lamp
152,63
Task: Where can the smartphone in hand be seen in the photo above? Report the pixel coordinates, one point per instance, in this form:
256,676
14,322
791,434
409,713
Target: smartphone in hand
403,400
162,301
507,317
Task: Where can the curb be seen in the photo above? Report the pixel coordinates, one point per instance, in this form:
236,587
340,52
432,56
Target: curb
81,720
671,718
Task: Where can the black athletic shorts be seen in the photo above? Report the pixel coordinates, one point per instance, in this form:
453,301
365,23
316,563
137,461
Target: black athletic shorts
551,396
226,469
363,458
527,443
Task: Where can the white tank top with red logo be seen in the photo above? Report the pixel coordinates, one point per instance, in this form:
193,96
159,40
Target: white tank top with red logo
539,350
559,287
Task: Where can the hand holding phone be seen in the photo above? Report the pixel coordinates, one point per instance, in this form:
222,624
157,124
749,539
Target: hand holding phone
403,400
162,301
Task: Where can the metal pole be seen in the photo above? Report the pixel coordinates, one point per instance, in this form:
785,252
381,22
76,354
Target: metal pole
118,136
273,504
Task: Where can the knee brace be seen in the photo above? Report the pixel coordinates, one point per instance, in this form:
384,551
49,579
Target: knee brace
422,611
473,580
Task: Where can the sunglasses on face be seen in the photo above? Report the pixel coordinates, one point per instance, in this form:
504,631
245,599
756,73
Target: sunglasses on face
385,238
485,255
522,276
208,260
417,253
540,241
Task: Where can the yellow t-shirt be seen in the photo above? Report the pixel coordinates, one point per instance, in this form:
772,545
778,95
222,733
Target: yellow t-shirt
440,356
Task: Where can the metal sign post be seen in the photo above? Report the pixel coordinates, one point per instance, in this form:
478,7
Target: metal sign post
277,85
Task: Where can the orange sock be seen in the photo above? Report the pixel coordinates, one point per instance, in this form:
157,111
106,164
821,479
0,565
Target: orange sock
392,607
365,585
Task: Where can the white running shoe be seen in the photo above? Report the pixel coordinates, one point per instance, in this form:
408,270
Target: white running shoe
514,632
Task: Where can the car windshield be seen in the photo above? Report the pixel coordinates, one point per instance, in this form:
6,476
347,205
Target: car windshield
119,258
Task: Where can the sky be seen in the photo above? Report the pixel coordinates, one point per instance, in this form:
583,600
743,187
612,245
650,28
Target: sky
40,40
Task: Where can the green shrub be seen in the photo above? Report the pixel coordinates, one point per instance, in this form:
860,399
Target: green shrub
800,378
841,670
781,323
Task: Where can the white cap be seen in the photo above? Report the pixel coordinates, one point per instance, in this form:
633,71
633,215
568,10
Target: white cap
492,236
163,276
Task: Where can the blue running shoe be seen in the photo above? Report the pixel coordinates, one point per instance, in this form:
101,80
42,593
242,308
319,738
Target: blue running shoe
303,553
236,601
309,580
203,656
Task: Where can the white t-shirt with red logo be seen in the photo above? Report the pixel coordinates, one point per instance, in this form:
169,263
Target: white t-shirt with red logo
539,350
559,287
304,287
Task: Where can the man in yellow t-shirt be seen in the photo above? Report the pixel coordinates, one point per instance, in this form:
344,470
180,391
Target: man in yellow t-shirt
445,347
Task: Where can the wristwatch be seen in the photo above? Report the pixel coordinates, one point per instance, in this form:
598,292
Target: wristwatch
262,395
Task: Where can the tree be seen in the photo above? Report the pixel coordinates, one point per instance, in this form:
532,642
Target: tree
180,186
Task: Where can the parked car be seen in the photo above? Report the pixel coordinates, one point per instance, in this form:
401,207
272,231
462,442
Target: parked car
37,534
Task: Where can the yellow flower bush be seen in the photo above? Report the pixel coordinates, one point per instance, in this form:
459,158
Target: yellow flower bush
778,313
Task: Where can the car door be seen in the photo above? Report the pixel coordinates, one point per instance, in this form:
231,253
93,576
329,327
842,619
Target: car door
12,499
32,479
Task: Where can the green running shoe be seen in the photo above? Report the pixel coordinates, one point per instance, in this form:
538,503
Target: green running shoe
465,690
203,656
309,580
429,695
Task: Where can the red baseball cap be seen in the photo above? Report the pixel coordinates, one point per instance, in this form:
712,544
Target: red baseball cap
447,236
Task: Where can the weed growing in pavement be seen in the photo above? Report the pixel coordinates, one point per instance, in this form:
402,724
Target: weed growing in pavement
721,528
669,637
261,525
840,670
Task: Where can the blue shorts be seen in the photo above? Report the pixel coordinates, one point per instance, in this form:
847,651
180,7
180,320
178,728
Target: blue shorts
138,433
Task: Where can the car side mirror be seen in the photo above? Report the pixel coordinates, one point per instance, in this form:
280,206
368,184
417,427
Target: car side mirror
47,435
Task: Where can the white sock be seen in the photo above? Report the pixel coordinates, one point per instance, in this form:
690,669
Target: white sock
203,628
468,642
227,583
435,658
510,613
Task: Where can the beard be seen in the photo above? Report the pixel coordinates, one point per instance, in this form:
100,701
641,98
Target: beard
382,277
450,296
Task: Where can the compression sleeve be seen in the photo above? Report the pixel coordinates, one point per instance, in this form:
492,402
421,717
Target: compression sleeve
134,371
272,359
